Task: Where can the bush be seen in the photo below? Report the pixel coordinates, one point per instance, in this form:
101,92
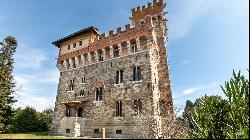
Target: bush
29,120
217,118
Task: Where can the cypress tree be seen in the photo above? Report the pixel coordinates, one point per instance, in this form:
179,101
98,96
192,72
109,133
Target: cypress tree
7,50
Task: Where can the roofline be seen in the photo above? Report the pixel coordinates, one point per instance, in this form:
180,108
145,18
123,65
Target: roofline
75,34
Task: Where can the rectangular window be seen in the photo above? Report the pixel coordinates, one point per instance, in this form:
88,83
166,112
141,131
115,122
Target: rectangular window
71,85
137,107
96,131
137,74
100,56
67,130
83,80
74,45
82,93
116,52
119,77
74,63
68,111
134,48
119,109
99,94
118,131
80,112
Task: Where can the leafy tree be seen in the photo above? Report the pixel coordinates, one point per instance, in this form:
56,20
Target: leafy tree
187,114
26,120
29,120
217,118
237,92
209,118
45,119
7,50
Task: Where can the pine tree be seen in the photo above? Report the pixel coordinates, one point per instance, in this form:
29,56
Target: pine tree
7,50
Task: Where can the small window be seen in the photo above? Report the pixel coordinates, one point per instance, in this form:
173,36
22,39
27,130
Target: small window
80,43
67,130
138,107
119,109
74,64
96,131
83,80
80,112
137,74
119,77
82,93
98,94
68,111
116,52
71,85
118,131
74,45
68,47
100,58
134,48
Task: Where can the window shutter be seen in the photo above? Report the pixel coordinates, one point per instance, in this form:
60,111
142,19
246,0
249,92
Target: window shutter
121,72
139,73
140,106
117,108
120,108
117,77
96,95
134,74
100,94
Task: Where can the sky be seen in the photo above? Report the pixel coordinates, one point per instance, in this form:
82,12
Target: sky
207,40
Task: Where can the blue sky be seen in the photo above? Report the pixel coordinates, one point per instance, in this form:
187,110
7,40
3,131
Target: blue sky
207,40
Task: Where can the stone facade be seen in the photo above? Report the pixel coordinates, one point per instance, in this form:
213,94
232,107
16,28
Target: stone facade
119,82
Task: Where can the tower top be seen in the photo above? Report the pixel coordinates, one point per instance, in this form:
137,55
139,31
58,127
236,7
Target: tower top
150,9
90,29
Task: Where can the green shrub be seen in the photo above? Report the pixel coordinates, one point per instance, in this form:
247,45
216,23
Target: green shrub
217,118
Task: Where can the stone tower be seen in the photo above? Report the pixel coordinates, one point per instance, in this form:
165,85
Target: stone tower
118,82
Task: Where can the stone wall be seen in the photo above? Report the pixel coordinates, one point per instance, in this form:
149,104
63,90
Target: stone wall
153,90
102,114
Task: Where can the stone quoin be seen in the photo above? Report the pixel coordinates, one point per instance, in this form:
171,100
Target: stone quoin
118,84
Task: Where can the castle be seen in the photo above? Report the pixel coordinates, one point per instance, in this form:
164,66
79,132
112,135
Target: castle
116,84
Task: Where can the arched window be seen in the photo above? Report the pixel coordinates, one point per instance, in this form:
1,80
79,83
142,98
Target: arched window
116,51
98,94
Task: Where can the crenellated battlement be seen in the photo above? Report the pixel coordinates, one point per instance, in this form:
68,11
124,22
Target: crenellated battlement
140,13
131,32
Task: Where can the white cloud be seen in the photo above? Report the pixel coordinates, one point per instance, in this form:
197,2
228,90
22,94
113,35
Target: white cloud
187,12
192,90
188,61
33,89
27,57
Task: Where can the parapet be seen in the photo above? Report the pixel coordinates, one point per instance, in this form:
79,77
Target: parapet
130,32
150,9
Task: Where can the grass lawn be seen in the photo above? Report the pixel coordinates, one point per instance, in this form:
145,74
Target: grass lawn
32,135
